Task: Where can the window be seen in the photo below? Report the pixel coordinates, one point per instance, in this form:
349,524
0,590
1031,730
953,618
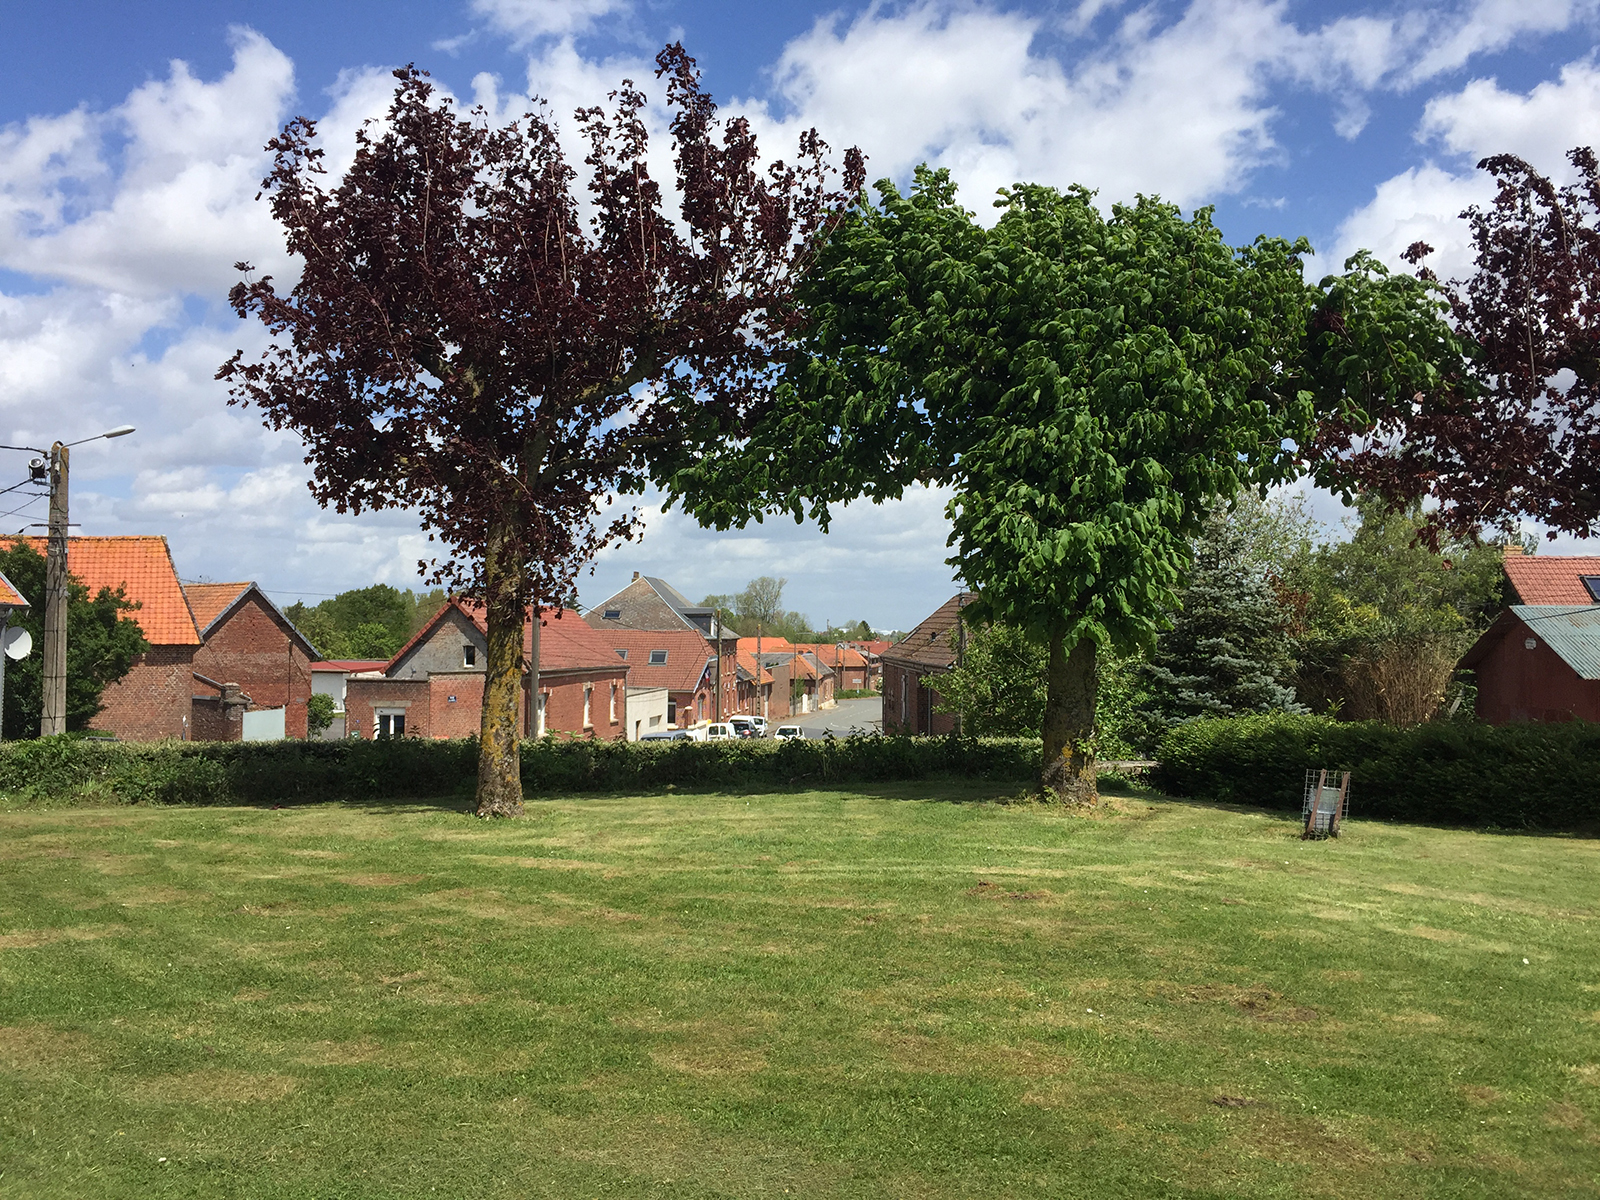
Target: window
588,695
613,614
623,655
391,724
672,712
1592,584
613,704
656,720
543,696
658,658
469,656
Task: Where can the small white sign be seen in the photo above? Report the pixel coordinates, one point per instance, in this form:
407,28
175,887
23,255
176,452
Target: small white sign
18,642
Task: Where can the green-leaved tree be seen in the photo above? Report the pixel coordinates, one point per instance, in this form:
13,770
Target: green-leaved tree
1086,383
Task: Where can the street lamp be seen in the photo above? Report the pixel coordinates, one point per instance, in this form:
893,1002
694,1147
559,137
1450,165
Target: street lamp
54,706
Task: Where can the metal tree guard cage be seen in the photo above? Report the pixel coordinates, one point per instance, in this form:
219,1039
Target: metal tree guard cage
1327,803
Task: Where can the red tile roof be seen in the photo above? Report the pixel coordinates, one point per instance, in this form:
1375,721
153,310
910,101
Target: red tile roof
142,567
208,601
687,655
1549,578
775,645
9,596
747,664
569,643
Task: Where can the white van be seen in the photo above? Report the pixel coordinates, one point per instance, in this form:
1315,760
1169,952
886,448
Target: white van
720,731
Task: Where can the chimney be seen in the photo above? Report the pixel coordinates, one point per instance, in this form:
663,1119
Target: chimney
636,574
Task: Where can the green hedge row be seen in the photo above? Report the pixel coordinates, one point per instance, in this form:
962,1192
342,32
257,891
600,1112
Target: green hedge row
1513,776
67,768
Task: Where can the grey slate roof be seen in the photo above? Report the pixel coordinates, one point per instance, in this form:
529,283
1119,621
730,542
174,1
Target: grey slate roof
1571,630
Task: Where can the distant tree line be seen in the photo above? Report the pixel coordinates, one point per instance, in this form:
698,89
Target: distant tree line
365,623
759,608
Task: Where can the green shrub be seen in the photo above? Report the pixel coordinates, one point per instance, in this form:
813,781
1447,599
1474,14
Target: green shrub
67,768
1513,776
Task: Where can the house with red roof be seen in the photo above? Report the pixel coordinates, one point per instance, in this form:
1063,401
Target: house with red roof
154,699
251,659
433,688
1540,660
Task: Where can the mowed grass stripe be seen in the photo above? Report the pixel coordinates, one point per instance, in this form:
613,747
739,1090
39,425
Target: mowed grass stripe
847,994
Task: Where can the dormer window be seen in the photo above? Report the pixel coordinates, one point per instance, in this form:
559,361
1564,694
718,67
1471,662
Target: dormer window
613,614
658,658
623,655
1592,584
469,655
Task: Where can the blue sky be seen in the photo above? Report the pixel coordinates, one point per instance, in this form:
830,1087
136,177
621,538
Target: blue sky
130,142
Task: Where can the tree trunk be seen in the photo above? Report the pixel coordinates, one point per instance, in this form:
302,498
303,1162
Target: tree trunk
499,752
1067,769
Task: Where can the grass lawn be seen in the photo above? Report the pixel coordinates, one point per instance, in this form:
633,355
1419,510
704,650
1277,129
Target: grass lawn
818,994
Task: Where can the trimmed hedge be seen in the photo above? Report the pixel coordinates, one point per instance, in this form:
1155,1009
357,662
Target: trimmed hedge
69,768
1514,776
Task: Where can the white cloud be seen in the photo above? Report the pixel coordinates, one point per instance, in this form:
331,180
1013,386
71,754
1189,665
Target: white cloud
524,21
1541,125
182,210
1457,36
1424,203
965,86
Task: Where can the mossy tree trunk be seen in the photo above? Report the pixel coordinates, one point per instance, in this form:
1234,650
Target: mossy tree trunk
499,753
1067,768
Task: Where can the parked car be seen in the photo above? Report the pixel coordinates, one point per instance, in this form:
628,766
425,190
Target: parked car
676,735
744,726
761,725
720,731
785,732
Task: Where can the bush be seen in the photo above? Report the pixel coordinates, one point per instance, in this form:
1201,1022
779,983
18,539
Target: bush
67,768
1514,776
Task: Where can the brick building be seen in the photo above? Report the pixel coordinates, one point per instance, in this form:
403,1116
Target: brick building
923,654
248,642
433,688
653,605
153,700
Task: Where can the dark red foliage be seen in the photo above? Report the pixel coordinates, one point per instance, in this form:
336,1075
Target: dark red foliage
1515,430
465,340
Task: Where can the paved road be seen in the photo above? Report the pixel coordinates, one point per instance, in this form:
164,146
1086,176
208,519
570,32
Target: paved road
865,716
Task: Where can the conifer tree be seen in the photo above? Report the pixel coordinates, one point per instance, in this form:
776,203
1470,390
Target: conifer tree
1228,647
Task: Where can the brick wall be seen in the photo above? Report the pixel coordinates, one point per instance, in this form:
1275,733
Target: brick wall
563,706
153,700
455,705
361,696
908,706
253,648
213,721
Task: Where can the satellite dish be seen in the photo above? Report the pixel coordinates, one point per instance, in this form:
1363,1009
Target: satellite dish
17,643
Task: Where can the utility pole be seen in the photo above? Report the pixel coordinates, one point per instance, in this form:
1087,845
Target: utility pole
54,708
